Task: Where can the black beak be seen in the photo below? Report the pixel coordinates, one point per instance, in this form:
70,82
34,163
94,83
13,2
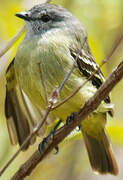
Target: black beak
23,15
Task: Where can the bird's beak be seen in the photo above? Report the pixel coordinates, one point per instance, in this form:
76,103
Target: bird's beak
23,15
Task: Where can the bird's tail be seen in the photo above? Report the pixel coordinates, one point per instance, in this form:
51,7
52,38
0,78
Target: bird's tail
100,153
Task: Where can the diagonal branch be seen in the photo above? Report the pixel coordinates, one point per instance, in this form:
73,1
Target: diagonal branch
61,133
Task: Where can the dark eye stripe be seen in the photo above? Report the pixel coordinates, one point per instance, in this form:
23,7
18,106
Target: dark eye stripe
45,18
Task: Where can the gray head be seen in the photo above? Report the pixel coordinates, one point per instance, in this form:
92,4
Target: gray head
47,17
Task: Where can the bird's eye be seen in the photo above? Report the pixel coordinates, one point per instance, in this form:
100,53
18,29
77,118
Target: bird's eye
45,18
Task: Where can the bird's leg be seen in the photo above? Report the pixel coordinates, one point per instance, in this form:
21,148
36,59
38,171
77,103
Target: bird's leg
71,118
45,140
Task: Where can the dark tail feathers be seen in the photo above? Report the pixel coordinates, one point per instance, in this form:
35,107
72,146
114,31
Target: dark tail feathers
100,154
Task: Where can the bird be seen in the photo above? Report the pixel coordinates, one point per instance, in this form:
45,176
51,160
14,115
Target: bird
54,41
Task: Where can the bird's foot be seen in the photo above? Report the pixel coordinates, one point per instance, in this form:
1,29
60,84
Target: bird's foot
43,145
71,118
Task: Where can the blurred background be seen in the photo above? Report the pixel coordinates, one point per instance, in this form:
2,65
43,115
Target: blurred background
104,23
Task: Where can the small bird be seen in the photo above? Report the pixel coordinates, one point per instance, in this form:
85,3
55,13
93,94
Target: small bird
54,41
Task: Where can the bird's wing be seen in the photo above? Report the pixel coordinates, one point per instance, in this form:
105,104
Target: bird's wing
87,65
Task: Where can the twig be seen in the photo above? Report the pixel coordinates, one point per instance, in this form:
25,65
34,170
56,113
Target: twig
72,94
11,42
66,78
61,133
114,47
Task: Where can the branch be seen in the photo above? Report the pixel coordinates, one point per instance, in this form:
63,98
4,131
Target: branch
61,133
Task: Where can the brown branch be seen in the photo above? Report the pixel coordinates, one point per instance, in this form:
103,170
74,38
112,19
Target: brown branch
61,133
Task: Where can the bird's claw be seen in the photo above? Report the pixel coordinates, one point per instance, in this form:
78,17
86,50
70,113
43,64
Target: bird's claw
71,118
45,140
